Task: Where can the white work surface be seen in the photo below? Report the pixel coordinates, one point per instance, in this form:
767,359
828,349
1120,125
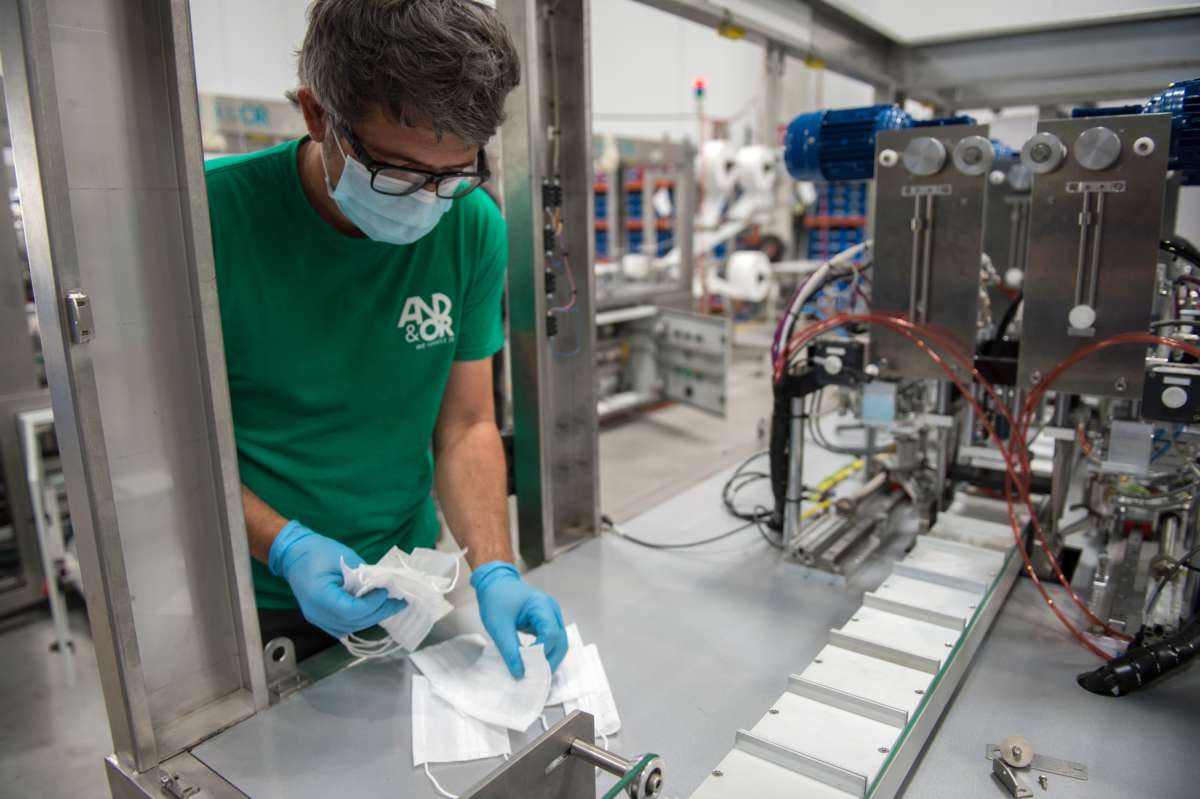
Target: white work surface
698,643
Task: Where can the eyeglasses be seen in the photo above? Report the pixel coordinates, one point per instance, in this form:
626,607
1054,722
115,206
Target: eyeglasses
398,181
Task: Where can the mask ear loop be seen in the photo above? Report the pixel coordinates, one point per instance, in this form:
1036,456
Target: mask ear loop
436,785
457,570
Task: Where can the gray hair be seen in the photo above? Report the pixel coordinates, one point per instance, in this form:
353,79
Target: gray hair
448,64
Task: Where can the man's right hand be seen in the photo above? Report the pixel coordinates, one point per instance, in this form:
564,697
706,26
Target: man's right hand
312,565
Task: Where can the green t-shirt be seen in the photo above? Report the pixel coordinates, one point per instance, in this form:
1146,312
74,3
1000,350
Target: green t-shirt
338,350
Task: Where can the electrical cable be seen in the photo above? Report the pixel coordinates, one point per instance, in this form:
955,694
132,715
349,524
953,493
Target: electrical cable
1182,249
1166,578
1009,314
914,333
683,545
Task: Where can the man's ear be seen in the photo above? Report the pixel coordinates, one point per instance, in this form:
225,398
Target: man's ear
315,117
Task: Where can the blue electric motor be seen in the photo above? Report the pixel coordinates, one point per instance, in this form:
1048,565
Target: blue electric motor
840,144
1182,101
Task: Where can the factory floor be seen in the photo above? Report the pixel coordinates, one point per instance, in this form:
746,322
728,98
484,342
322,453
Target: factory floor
53,738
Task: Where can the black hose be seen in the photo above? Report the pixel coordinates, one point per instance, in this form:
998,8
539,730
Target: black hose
1009,314
1181,248
1142,665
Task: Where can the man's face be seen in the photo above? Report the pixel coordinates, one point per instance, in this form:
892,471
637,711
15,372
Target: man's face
387,141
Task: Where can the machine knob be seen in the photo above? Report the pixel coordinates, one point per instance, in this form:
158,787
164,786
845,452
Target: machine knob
1082,317
1043,153
833,365
1174,397
1097,148
924,156
973,155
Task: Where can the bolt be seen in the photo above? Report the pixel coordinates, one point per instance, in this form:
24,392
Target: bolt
1035,378
919,692
1017,752
1121,385
718,773
972,155
884,750
774,711
1043,781
817,660
1040,152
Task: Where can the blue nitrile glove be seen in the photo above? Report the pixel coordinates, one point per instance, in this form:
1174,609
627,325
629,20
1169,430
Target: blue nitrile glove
508,604
312,565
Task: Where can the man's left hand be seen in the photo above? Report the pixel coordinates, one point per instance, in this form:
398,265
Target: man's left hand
508,604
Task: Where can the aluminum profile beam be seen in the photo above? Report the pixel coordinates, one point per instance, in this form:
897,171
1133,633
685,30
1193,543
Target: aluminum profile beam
554,391
1092,61
841,42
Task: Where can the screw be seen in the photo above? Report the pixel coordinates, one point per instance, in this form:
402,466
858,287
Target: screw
718,773
972,155
1017,752
1035,378
884,750
1121,385
919,692
1040,152
1043,781
774,711
817,660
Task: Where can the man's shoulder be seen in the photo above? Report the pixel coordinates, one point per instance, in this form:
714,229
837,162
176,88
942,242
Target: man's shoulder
229,172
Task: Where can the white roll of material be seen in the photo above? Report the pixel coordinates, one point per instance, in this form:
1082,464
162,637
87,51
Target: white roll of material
748,276
715,169
755,172
635,266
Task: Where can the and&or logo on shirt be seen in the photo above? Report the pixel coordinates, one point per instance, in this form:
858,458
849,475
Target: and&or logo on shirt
427,323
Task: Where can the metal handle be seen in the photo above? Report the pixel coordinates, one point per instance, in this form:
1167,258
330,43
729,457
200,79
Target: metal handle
922,257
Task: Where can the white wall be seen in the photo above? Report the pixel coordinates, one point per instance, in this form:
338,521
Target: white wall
247,48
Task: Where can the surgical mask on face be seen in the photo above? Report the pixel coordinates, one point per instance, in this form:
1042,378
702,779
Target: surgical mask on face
420,578
382,217
469,673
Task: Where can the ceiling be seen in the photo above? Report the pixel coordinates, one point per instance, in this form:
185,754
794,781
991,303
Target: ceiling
925,21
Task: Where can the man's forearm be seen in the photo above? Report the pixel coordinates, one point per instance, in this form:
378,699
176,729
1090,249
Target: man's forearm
472,485
262,524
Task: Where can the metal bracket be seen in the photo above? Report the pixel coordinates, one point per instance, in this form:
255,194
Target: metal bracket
174,786
1050,765
283,677
79,316
1005,775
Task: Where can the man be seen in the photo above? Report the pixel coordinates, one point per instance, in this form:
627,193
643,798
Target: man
360,277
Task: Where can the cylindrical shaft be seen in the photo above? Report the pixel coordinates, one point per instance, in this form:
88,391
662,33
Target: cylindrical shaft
795,488
601,758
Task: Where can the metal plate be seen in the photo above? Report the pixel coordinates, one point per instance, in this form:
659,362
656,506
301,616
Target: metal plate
692,356
1050,765
945,258
1126,229
543,770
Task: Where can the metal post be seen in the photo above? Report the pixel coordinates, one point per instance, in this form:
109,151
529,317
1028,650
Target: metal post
773,63
1060,484
794,495
138,391
554,392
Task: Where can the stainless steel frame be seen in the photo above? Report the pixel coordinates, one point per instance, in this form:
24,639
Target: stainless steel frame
928,234
1094,240
554,392
106,135
677,159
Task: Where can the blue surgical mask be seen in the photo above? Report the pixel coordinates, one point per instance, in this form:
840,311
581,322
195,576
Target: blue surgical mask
383,217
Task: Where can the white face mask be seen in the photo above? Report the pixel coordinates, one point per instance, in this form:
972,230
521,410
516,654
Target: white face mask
469,673
441,734
568,680
419,578
592,693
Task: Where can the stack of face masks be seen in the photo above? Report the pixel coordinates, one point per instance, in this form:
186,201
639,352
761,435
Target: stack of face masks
420,578
464,705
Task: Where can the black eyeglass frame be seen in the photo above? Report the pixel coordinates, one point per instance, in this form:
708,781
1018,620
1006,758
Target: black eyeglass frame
436,178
